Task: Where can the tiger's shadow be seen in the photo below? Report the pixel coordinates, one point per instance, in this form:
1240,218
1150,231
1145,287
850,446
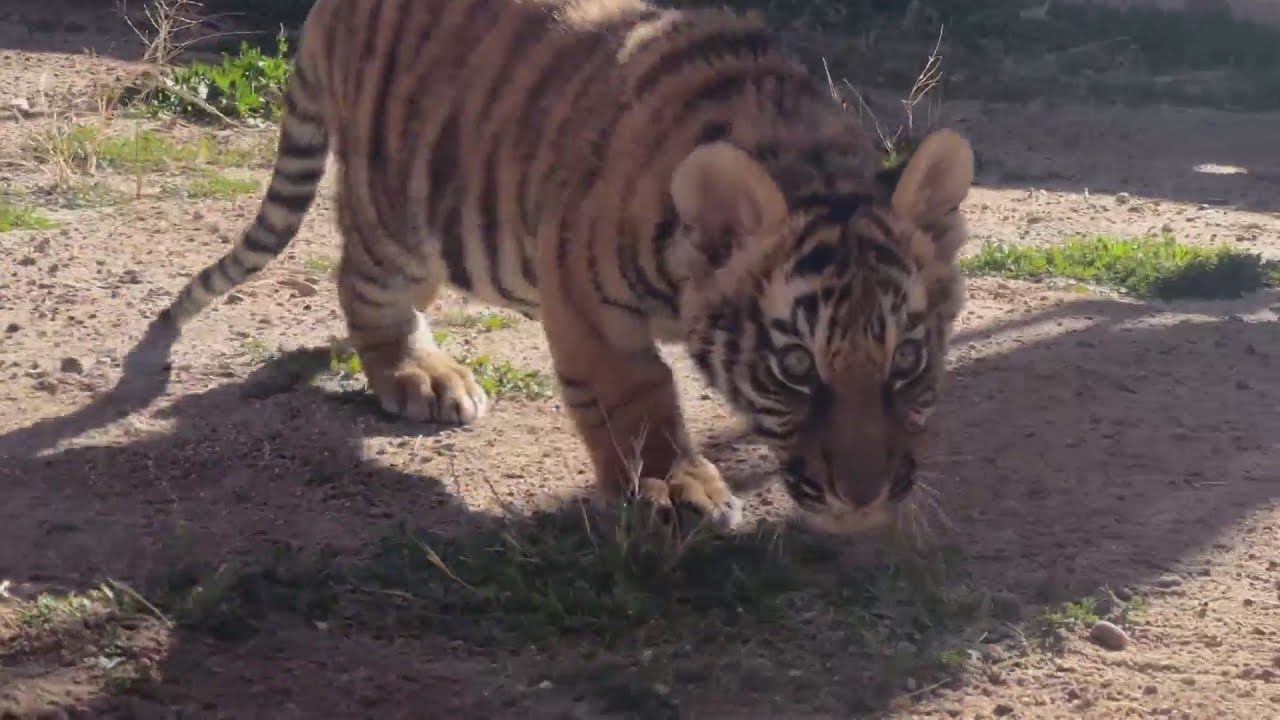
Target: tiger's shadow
1046,450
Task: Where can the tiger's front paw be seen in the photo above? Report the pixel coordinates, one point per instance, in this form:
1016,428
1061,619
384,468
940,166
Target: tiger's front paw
430,386
696,483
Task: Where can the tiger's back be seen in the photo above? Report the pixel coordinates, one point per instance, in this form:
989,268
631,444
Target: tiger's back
488,130
626,174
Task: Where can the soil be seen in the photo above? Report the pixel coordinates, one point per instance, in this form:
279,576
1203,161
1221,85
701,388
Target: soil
1087,440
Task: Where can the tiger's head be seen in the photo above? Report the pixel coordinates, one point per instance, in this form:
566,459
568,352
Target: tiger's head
826,322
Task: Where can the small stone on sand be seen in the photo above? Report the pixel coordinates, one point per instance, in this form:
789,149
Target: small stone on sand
1109,636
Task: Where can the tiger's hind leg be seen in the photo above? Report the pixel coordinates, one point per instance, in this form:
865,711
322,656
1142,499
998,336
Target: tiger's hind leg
388,327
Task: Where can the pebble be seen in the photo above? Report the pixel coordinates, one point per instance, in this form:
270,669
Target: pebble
71,365
303,288
1109,636
1002,710
993,653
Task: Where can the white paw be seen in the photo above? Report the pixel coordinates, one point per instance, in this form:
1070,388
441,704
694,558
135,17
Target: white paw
433,388
727,513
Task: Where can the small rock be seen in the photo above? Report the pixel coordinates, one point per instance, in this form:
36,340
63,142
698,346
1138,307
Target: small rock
1109,636
48,385
1123,198
71,365
12,328
1003,710
993,653
233,298
1150,690
301,287
1168,581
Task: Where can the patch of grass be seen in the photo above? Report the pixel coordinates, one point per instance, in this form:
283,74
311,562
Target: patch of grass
500,378
68,149
90,630
238,598
246,85
319,264
1071,616
51,608
486,321
151,151
258,351
80,195
636,602
1144,266
563,573
83,149
343,358
14,216
1053,624
217,187
770,601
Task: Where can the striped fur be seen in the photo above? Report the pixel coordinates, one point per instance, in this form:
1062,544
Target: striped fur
626,174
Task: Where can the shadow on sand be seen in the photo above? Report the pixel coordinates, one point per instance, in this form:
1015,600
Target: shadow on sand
1102,456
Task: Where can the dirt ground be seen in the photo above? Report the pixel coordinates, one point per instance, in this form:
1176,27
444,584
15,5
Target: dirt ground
1087,441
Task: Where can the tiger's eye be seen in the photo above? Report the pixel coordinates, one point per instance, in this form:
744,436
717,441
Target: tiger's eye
797,364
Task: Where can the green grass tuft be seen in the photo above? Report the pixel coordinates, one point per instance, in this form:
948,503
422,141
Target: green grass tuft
23,217
247,85
318,264
1144,266
50,608
259,352
236,599
486,321
343,358
631,597
217,187
500,378
86,148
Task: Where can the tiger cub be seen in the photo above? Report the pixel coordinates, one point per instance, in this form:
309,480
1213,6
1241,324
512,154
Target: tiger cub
626,174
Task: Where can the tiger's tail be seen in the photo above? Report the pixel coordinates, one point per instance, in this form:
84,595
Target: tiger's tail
301,153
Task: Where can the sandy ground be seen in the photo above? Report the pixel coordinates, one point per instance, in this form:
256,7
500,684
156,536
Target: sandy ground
1087,440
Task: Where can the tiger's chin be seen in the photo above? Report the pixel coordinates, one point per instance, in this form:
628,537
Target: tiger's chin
873,519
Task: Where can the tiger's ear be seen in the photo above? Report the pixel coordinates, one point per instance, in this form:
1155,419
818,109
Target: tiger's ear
935,180
727,196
